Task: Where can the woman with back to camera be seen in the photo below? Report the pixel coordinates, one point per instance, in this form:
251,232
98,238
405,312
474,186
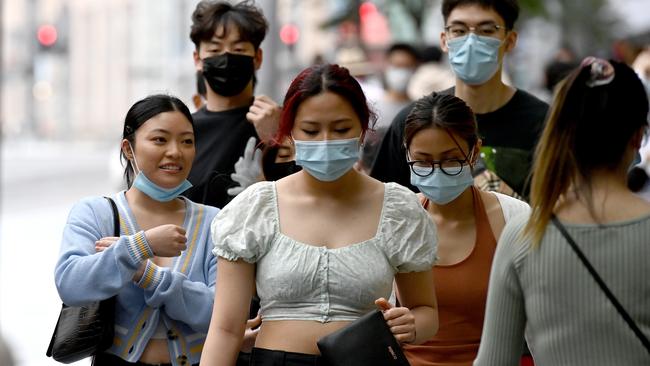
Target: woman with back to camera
321,246
160,268
539,283
442,144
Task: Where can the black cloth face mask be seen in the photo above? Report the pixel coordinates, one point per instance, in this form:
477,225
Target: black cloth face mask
228,74
276,171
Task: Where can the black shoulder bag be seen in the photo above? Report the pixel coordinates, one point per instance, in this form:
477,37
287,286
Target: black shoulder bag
83,331
628,319
366,341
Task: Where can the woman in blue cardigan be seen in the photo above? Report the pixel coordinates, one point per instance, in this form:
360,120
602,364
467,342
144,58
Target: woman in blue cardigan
160,267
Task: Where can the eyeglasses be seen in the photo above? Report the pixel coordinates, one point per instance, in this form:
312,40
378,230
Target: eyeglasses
457,30
424,168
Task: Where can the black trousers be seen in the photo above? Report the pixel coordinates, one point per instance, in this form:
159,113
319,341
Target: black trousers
107,359
265,357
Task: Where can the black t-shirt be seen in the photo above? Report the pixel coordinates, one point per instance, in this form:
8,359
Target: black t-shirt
220,141
509,135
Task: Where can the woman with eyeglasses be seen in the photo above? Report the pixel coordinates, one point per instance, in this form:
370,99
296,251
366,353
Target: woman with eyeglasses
442,145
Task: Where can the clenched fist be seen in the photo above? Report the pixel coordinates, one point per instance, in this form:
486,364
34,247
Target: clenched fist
166,240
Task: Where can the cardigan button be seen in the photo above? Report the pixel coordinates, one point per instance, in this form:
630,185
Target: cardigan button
171,335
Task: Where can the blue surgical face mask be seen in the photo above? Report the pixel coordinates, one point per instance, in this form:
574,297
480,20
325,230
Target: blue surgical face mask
397,78
151,189
473,58
327,160
441,188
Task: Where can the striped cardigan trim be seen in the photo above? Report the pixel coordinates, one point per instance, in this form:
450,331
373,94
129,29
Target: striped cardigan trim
138,246
151,277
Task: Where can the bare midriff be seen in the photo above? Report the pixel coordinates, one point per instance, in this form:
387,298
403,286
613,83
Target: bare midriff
295,335
156,352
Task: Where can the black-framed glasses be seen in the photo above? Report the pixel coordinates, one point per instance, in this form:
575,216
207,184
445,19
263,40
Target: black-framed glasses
425,168
458,30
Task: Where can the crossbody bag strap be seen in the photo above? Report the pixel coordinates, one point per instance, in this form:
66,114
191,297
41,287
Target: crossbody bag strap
621,310
116,217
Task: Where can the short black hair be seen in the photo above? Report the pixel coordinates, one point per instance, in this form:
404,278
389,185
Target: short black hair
507,9
431,54
245,16
403,47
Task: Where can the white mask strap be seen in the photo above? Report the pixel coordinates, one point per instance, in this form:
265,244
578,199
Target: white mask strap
135,162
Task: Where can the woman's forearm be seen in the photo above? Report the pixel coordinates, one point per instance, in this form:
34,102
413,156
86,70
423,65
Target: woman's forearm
426,323
221,348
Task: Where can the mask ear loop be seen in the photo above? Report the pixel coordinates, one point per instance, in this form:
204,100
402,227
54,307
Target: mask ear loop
135,162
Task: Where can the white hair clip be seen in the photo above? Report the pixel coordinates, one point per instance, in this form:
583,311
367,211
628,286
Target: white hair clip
602,71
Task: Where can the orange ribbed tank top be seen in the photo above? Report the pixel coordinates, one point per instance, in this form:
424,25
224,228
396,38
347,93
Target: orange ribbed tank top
461,290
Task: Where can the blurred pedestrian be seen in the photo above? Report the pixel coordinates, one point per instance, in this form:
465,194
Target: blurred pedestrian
477,36
442,146
642,67
279,160
321,246
6,358
433,75
401,61
160,268
560,66
227,52
540,285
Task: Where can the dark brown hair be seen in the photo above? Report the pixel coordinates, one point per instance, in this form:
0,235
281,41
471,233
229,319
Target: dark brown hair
444,111
245,16
588,128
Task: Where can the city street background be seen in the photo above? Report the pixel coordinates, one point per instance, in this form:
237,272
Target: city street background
71,69
40,182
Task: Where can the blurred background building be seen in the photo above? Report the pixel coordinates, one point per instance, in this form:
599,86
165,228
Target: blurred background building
71,69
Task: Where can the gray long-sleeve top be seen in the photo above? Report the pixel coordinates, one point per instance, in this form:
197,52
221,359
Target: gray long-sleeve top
547,293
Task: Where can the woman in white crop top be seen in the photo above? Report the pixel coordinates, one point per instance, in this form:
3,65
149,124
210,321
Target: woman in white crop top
322,246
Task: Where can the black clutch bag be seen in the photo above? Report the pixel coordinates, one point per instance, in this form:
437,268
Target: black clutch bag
83,331
366,341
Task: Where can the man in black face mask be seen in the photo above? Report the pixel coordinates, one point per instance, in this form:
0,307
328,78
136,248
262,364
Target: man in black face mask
227,39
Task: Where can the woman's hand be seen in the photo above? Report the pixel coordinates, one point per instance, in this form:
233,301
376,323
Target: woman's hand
400,320
250,334
264,114
105,242
166,240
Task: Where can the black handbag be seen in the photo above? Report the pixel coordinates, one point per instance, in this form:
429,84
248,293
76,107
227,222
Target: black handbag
621,310
83,331
366,341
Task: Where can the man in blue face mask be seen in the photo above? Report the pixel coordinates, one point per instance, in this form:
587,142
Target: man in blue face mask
477,36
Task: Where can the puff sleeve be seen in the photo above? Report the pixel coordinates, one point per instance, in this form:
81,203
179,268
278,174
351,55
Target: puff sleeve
245,227
410,236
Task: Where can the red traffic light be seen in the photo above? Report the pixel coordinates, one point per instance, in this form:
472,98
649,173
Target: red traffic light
289,34
46,35
367,9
